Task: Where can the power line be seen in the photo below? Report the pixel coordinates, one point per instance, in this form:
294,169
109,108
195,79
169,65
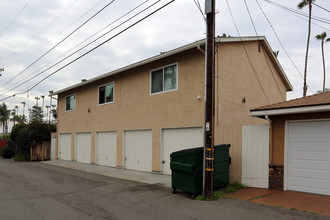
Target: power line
104,42
280,42
45,27
323,20
12,21
270,69
246,53
25,80
60,42
321,7
61,31
200,8
299,16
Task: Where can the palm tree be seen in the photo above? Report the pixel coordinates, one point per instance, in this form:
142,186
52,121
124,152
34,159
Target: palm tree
301,5
322,37
4,116
13,113
24,103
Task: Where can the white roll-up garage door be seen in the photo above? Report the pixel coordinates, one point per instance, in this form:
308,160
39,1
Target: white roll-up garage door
138,150
64,148
308,156
83,147
179,139
106,145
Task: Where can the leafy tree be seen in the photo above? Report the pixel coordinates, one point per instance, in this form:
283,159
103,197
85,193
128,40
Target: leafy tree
322,37
301,5
224,35
36,114
21,119
23,136
54,113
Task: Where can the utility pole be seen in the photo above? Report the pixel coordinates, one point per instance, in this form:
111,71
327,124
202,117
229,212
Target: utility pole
1,70
209,99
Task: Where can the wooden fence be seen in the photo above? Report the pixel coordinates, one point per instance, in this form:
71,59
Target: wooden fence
40,151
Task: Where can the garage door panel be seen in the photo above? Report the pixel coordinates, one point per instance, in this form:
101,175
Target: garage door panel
106,145
315,174
315,185
306,128
83,147
310,164
179,139
138,150
308,156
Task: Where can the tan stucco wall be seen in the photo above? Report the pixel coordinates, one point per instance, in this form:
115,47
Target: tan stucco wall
239,80
134,107
278,132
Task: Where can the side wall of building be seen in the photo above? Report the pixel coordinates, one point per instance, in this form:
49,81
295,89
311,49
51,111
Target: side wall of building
245,79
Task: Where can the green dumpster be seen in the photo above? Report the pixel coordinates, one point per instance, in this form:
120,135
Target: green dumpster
187,169
187,166
221,164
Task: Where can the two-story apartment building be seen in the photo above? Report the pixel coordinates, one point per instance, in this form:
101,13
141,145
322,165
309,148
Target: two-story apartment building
134,117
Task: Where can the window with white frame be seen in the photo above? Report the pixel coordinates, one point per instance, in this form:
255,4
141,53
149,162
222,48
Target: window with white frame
164,79
106,93
70,102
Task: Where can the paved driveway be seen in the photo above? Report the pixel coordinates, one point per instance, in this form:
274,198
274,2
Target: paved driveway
42,191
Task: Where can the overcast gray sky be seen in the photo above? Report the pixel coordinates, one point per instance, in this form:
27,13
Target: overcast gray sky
30,28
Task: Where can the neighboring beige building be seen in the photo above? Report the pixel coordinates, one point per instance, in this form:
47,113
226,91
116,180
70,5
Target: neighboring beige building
136,116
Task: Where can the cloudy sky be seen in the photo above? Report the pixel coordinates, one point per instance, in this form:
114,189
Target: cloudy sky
32,31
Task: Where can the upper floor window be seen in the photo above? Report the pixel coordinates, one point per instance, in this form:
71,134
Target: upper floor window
164,79
106,94
70,102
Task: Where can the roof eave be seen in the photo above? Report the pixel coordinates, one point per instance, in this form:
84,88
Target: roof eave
287,111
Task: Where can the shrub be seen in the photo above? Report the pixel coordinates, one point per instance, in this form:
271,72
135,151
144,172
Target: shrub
15,131
25,135
19,157
4,137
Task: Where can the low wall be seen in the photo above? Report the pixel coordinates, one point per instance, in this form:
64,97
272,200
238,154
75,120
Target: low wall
3,143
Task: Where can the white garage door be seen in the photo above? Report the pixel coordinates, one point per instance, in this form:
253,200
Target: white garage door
308,155
83,147
64,149
179,139
138,150
106,148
